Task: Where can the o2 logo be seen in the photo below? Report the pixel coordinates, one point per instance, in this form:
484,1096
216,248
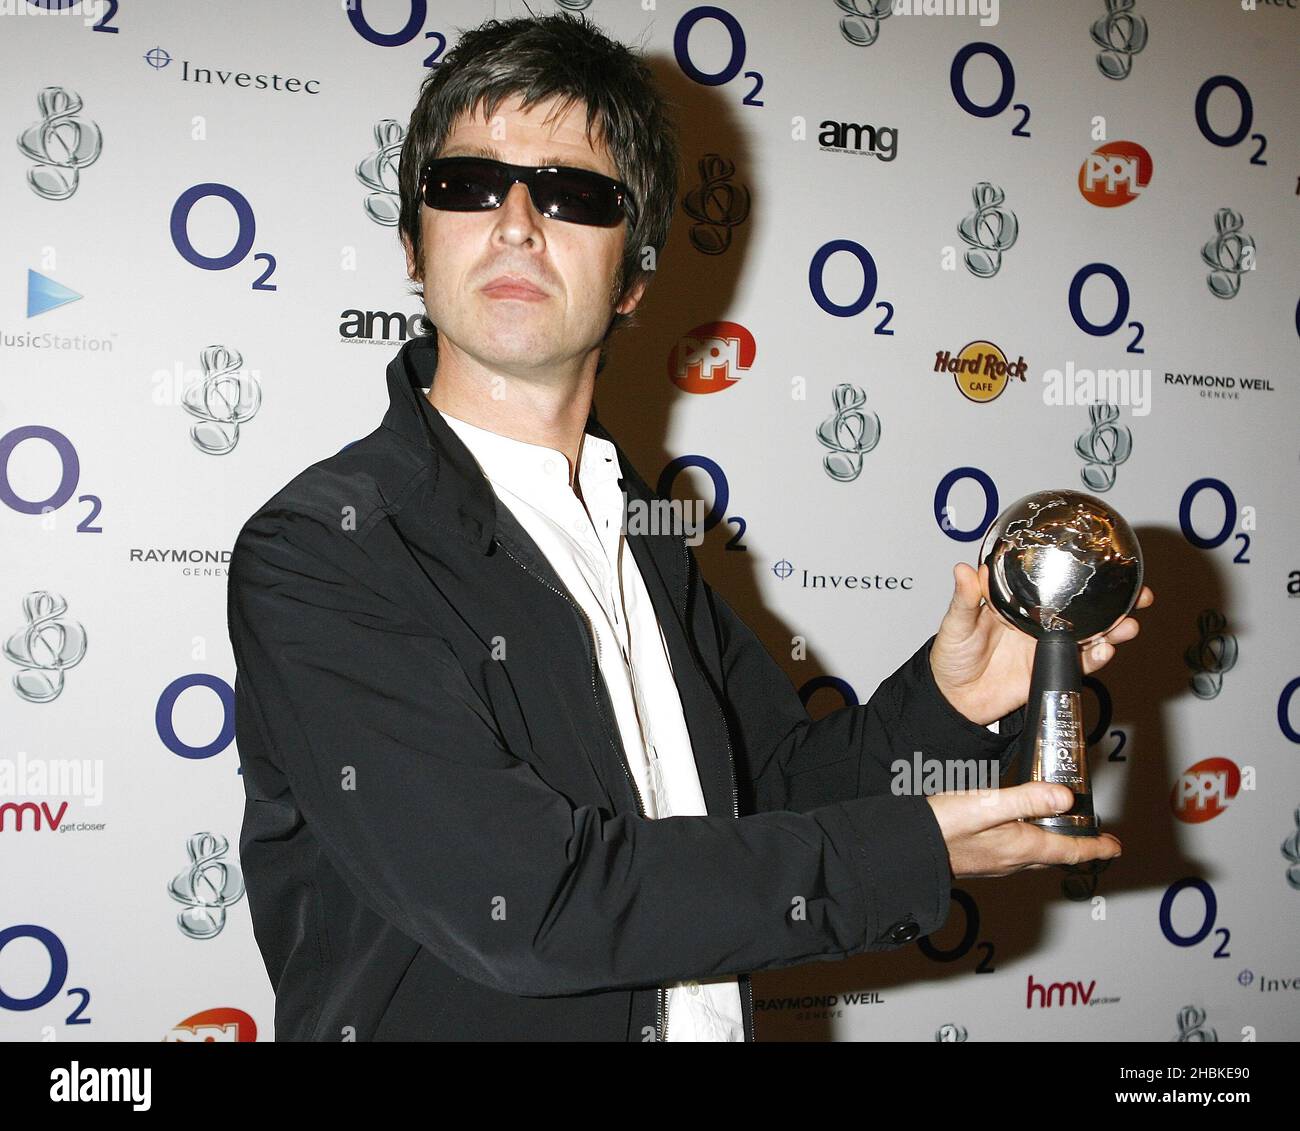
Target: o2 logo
841,687
721,494
969,940
870,281
166,707
1284,711
1006,92
735,61
1211,911
1121,312
110,11
1229,519
945,514
68,479
1105,712
247,232
407,32
1246,110
58,956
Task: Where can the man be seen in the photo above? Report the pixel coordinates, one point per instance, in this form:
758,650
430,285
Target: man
510,773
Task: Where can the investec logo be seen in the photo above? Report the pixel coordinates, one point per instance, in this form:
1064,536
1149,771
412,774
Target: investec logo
1115,173
1046,995
711,357
980,370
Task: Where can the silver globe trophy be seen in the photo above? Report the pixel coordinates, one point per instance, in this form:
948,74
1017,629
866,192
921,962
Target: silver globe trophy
1066,569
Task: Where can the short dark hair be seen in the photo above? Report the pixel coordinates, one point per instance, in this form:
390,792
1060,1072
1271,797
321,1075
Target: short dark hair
561,55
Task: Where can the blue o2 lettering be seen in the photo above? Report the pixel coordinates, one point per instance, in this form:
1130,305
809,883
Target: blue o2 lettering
870,281
944,514
243,239
167,704
1246,109
1104,329
736,60
1007,91
1211,910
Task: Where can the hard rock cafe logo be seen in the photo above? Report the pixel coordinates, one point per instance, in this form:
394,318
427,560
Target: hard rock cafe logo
711,357
980,369
1115,173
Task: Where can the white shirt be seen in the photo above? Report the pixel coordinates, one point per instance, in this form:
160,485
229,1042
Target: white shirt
587,548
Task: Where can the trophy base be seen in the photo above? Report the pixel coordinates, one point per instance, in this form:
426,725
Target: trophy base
1079,824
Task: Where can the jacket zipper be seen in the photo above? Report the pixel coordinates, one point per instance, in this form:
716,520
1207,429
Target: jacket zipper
661,995
726,731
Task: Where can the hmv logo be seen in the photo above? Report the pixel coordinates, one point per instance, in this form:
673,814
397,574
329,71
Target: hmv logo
1058,993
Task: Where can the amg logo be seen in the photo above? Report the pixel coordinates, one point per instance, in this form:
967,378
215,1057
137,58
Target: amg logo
881,141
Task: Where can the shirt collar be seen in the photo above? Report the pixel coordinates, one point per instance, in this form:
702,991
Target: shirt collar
462,494
533,471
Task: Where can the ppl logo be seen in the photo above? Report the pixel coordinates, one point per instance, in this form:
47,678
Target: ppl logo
711,357
212,1025
1203,791
1115,174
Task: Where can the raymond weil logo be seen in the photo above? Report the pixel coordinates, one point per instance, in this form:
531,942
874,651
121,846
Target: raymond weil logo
980,369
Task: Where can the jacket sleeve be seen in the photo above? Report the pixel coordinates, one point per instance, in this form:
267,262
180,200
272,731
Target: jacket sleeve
397,766
795,763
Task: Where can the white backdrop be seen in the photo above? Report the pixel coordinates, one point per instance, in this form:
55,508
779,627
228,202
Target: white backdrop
216,242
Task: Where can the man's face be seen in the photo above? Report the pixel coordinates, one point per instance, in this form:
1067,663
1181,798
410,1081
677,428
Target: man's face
574,265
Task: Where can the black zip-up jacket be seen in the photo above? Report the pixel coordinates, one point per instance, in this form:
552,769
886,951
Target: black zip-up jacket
442,839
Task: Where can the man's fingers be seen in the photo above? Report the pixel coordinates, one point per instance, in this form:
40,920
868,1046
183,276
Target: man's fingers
1032,799
1058,848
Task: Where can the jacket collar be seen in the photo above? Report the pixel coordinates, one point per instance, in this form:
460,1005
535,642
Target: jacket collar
461,493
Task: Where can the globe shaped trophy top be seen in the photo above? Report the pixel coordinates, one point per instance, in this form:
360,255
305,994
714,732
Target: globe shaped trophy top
1062,561
1064,568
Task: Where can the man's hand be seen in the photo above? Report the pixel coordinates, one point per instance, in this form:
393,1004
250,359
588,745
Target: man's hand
982,665
986,837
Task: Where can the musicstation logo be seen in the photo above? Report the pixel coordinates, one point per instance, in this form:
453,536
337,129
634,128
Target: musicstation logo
711,357
980,370
43,295
381,327
1203,790
1115,174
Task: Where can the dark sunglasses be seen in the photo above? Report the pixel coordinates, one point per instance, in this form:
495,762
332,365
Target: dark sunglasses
478,184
